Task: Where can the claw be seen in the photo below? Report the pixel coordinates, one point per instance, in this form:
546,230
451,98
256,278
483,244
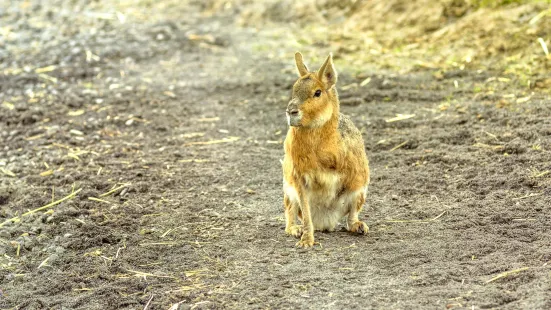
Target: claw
359,228
295,230
306,241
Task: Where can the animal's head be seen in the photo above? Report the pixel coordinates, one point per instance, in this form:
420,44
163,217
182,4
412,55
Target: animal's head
314,98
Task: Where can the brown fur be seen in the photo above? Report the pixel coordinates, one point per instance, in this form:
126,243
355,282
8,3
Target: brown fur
324,156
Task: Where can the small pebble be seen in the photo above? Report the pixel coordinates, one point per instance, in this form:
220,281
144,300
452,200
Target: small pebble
5,234
52,259
28,243
30,217
70,211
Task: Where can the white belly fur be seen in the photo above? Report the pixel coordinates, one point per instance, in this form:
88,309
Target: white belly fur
325,207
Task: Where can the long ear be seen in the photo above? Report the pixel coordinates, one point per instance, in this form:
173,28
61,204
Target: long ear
327,73
301,67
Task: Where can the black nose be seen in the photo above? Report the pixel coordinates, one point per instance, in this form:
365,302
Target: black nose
292,112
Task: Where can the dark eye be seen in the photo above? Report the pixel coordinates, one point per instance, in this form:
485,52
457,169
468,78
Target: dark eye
318,93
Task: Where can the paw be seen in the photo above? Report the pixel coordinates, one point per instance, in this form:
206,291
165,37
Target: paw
294,230
306,241
359,227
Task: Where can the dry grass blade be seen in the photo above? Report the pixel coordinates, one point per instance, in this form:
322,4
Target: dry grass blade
34,137
8,105
84,289
208,119
193,160
51,204
418,221
46,173
524,99
349,86
438,216
225,140
407,221
167,232
99,200
506,274
400,117
193,134
527,196
7,172
176,305
43,263
449,306
543,46
75,113
398,146
486,146
148,302
45,69
145,274
114,190
191,273
47,77
195,305
158,243
491,135
539,175
365,82
540,15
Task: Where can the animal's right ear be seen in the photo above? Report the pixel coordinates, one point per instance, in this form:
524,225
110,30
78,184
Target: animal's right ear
301,67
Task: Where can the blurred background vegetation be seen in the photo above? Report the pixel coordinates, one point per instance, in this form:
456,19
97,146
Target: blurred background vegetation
510,37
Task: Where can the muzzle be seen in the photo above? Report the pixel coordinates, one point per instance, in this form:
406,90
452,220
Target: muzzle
294,115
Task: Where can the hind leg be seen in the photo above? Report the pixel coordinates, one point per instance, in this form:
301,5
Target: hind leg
354,224
291,212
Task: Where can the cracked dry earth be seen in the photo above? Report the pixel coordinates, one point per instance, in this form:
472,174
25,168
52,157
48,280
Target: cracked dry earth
458,207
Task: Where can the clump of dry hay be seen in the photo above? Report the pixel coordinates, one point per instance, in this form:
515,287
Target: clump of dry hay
508,35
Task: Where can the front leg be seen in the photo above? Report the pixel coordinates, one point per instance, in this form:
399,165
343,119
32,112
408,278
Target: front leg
307,239
291,212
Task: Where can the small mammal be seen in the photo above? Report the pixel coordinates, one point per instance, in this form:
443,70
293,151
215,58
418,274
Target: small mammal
325,169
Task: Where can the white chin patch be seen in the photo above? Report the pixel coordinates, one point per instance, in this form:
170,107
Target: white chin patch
288,120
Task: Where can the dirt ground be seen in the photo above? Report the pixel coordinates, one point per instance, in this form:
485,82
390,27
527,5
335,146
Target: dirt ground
183,115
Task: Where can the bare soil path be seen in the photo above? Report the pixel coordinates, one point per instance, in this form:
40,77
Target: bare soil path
185,118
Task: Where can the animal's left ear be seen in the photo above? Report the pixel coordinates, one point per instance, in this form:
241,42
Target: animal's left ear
301,67
327,73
